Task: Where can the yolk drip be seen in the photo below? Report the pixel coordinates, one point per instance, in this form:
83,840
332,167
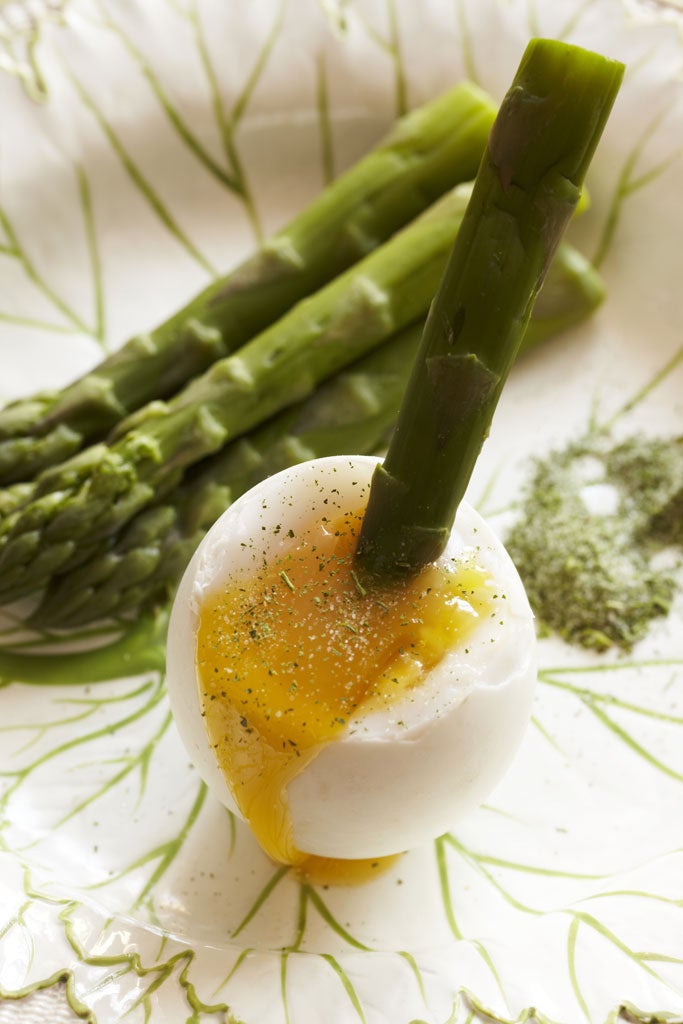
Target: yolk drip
289,655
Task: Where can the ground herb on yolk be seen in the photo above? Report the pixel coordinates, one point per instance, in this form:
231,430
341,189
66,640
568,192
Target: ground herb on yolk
595,518
290,655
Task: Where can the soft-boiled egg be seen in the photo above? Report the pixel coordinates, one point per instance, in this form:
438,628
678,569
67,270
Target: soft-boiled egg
339,719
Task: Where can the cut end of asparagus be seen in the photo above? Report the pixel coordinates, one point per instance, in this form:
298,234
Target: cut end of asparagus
527,188
553,115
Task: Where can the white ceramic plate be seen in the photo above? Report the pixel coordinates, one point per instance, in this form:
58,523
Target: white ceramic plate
122,883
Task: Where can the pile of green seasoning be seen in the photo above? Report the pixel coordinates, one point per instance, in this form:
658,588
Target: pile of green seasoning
598,539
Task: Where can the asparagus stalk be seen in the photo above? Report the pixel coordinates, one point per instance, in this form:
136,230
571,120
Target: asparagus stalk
352,412
428,152
92,495
526,190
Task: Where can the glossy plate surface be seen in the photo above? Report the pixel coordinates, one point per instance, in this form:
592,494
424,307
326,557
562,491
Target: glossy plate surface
144,148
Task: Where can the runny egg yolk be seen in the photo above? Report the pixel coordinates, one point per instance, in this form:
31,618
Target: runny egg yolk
291,654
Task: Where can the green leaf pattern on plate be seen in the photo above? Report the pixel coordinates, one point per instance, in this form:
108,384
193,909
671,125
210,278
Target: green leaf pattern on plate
168,137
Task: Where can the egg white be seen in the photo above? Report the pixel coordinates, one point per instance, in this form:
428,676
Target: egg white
400,775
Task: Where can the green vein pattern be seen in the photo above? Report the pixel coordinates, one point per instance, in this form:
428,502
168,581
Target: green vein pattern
123,886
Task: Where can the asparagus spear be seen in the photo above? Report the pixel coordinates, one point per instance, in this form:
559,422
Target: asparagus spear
529,182
352,412
93,494
428,152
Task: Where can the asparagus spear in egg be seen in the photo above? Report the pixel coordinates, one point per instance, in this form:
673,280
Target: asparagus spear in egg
527,188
